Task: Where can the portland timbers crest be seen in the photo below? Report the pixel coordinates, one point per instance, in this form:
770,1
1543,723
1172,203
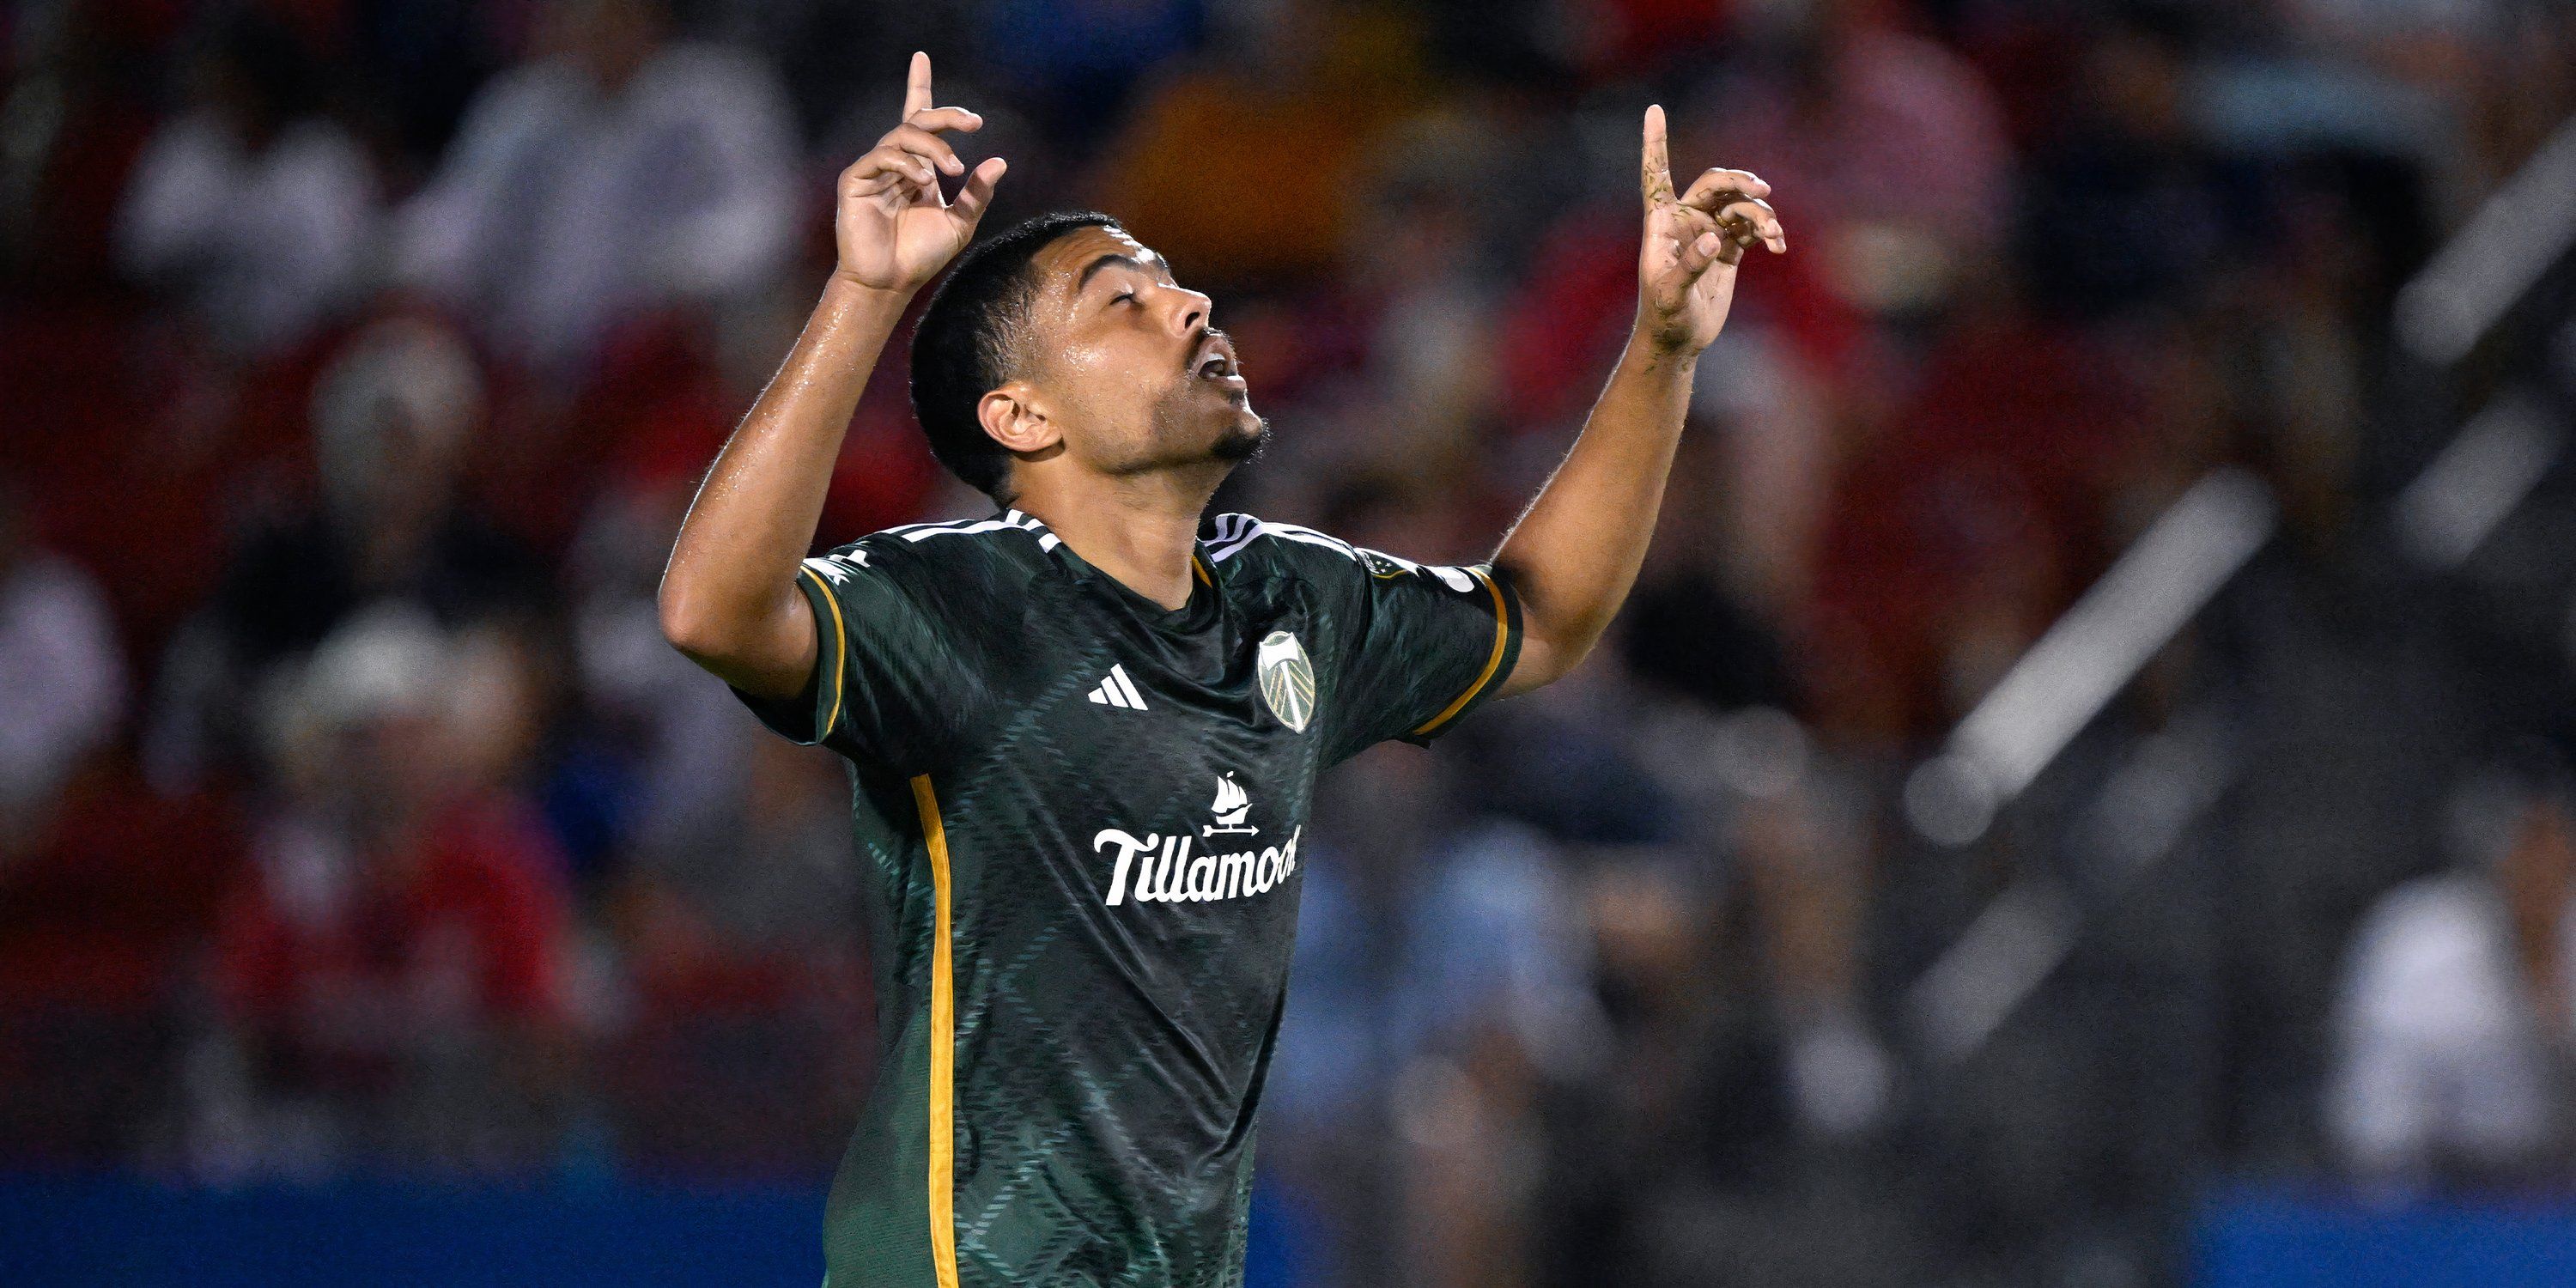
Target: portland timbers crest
1287,680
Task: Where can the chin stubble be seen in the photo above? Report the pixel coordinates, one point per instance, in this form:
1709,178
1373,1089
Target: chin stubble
1243,447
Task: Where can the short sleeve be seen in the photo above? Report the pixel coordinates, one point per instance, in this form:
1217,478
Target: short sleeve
1420,646
888,689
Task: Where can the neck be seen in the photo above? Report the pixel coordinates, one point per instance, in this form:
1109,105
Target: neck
1139,529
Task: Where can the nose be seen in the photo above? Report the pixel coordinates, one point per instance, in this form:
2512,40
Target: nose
1190,312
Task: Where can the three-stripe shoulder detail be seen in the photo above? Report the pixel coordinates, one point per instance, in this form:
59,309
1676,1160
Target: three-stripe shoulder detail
1235,532
1010,521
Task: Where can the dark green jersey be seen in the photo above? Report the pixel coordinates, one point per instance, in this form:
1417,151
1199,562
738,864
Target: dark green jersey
1081,815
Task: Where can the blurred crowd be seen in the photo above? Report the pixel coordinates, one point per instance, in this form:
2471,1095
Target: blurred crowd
357,358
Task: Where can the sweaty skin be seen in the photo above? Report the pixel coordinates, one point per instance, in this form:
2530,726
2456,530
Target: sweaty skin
1129,410
1119,443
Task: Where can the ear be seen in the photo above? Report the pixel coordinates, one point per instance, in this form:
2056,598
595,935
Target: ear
1011,415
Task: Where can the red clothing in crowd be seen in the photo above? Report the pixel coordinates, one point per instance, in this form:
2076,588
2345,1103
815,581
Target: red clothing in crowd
465,930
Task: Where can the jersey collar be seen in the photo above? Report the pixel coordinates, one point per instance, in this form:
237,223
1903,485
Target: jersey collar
1204,605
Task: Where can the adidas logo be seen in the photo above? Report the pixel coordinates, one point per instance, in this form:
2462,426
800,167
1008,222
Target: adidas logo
1118,691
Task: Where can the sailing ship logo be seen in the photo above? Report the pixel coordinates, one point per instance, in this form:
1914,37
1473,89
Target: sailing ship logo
1232,807
1287,680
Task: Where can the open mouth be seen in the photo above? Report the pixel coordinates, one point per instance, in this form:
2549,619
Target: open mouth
1215,360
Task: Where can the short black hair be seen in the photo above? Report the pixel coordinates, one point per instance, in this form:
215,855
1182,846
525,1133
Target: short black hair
965,345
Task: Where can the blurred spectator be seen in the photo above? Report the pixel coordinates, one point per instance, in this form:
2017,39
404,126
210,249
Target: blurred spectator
2465,87
1760,793
74,123
1437,947
104,915
1240,169
745,1048
1966,521
743,1013
769,877
252,205
2458,1014
391,416
392,973
1076,61
684,751
1696,626
2124,205
62,674
616,172
1425,300
1892,145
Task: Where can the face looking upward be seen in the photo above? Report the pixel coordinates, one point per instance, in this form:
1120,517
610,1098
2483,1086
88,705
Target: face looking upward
1123,368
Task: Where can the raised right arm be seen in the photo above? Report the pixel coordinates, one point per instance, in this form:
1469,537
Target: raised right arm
728,597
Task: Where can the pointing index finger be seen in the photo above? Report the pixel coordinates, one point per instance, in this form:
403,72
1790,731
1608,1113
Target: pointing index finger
1655,177
916,89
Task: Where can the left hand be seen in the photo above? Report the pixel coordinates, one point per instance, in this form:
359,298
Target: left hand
1692,243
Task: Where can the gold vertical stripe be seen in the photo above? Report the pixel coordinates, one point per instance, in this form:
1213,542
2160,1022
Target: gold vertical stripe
1201,570
1493,660
840,649
943,1048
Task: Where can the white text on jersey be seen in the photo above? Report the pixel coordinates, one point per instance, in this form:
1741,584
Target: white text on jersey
1166,871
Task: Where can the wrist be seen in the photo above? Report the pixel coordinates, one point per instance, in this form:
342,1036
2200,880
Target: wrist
1655,346
1668,337
842,287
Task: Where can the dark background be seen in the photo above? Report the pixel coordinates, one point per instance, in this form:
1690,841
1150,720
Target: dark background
380,895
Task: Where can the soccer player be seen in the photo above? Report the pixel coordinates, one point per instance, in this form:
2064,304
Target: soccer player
1082,733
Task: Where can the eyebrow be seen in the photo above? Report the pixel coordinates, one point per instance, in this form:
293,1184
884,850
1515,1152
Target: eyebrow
1105,261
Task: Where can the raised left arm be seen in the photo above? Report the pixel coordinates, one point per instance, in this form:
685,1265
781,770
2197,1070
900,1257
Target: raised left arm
1574,553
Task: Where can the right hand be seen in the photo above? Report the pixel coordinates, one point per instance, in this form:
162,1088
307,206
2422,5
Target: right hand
894,228
1692,244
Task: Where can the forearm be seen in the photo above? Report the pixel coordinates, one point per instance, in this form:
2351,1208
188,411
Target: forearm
1576,550
728,597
